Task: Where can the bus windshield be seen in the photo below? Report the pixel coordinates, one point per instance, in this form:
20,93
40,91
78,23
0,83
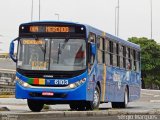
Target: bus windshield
52,54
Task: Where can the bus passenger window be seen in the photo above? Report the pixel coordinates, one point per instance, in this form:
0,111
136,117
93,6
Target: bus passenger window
114,54
137,61
117,53
100,50
107,53
111,52
134,60
124,57
121,55
128,60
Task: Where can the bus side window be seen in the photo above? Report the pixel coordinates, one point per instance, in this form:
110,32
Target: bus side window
111,52
107,52
117,53
134,59
138,61
114,54
124,57
100,50
129,63
121,55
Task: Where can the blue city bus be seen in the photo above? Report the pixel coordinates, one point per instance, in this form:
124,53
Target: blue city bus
75,64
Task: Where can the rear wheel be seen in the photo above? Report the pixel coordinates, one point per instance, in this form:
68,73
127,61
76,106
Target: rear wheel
122,104
126,99
35,105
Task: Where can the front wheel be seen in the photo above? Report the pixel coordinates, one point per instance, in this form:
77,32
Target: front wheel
91,105
88,105
35,105
79,106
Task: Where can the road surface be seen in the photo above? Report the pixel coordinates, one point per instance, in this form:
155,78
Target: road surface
144,109
7,64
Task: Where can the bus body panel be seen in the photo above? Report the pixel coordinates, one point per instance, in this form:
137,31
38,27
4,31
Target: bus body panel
71,94
117,80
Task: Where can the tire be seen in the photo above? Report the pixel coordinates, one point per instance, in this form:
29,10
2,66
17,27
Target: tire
79,106
35,105
122,104
88,105
91,105
126,99
72,107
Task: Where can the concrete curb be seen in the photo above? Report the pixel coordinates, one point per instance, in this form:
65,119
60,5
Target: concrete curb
72,115
81,113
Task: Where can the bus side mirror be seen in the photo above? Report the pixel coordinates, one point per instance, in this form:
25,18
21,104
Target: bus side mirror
93,48
11,50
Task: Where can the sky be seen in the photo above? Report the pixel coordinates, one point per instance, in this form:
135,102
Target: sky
134,16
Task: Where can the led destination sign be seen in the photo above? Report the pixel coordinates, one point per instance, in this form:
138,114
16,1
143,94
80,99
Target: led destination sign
51,29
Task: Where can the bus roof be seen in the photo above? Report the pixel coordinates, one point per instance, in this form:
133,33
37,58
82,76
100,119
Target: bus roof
113,38
94,30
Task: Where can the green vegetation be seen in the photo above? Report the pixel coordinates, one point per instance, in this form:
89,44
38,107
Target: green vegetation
150,61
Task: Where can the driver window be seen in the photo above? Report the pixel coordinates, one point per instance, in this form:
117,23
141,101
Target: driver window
92,39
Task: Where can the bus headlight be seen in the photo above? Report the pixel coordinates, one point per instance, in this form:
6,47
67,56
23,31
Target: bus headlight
76,84
24,84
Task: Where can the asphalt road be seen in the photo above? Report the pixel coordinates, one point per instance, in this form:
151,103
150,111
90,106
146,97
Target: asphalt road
147,108
7,64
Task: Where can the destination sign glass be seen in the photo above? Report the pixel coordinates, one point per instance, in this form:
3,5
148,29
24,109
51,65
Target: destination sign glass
33,42
51,29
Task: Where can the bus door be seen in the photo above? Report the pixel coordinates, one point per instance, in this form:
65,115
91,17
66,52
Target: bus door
101,67
91,67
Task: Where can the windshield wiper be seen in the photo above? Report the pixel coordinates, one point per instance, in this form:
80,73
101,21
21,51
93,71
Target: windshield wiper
59,52
43,49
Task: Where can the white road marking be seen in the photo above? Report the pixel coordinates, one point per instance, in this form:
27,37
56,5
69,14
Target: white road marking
155,101
7,70
147,94
156,95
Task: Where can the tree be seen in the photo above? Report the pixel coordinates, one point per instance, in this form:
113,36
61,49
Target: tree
150,61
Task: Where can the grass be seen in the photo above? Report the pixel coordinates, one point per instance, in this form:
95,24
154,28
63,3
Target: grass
7,96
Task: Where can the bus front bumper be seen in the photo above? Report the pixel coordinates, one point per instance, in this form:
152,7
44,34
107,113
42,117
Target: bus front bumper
78,93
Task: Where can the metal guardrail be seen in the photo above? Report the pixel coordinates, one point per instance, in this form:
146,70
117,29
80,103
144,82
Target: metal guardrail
7,83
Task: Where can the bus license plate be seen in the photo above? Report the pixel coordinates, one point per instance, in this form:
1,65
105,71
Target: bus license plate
47,93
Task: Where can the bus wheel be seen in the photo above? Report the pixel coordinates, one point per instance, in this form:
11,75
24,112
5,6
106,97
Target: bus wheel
80,106
73,106
91,105
126,99
35,105
122,104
